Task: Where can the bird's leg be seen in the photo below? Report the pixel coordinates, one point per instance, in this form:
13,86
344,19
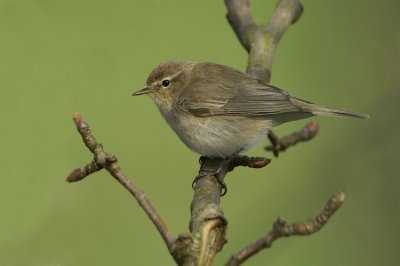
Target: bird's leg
202,160
213,167
220,177
202,172
217,167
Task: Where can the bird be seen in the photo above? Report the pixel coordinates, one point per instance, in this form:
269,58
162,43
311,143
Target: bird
219,112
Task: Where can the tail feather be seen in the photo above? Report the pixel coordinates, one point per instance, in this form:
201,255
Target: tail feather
328,111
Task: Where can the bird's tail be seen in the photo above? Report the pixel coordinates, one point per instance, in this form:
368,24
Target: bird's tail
328,111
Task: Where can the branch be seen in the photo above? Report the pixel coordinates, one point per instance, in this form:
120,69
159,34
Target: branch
103,160
207,223
282,229
240,19
207,191
260,41
281,144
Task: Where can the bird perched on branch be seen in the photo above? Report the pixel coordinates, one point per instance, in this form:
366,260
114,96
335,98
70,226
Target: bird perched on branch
218,111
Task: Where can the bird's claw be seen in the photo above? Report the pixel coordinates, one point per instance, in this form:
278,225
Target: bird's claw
202,160
217,176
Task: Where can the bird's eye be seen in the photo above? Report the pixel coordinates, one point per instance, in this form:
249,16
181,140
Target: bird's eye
165,82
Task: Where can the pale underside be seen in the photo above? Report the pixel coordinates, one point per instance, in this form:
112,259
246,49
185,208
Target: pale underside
220,136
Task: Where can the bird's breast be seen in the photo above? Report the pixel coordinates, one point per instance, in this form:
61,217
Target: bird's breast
217,136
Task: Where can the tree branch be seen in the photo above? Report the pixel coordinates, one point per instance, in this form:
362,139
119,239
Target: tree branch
260,41
240,19
282,229
207,223
281,144
109,162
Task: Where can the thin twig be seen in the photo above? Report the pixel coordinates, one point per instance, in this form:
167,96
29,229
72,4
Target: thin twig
282,229
109,162
251,162
80,173
281,144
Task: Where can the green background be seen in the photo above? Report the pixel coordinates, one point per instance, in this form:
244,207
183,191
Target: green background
61,57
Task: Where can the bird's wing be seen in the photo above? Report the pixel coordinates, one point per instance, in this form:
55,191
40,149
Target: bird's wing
234,94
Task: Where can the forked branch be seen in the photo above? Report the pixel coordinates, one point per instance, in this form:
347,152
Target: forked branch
261,41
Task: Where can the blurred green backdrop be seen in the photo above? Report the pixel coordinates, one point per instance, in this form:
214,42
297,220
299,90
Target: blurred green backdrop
60,57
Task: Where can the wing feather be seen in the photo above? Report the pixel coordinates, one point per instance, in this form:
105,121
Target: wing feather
219,90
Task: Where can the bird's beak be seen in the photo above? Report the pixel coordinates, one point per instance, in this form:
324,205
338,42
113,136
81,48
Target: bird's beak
145,90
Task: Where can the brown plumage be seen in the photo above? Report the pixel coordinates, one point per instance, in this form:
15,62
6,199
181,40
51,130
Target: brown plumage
218,111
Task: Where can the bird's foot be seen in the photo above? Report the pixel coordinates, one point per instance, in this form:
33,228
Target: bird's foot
216,170
217,176
202,160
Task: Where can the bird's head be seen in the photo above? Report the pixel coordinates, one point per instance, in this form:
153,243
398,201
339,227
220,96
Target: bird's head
166,82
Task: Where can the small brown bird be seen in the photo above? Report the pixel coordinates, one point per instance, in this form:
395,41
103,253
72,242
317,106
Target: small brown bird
218,111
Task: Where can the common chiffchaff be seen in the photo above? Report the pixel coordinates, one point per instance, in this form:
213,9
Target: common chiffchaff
218,111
